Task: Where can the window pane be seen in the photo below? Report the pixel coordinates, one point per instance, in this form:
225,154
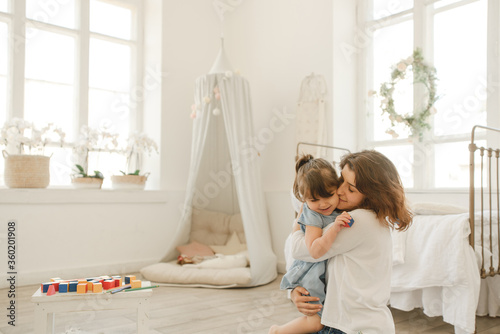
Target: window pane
50,57
383,8
402,157
3,72
61,13
109,65
61,165
108,164
110,20
452,165
460,38
4,5
386,53
50,103
110,111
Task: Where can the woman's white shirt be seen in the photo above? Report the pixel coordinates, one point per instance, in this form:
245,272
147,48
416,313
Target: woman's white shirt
358,276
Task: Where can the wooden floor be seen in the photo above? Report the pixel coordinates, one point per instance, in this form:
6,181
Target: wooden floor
198,310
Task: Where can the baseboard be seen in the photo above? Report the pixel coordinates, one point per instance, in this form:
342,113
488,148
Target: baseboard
38,277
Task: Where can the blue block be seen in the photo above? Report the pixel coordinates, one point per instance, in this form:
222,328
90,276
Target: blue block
350,222
63,287
72,286
45,287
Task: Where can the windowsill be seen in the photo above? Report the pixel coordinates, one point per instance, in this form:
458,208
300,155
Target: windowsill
79,196
438,191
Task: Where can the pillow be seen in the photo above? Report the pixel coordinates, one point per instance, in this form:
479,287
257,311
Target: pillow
437,209
232,246
195,248
222,262
215,228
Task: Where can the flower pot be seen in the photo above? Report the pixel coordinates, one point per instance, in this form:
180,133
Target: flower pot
86,182
26,171
130,182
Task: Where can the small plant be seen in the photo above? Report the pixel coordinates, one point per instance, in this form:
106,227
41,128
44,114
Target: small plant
82,173
137,172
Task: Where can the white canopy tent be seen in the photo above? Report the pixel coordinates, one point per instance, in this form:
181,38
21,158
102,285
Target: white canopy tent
224,173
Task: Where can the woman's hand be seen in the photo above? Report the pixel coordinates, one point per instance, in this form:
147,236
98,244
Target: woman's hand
301,302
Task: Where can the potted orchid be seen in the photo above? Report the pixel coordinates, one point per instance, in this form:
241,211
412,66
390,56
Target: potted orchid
26,166
137,146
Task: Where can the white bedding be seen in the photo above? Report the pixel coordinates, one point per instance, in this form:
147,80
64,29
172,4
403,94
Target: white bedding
436,269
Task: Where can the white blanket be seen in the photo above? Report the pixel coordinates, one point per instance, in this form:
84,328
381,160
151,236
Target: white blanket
433,252
438,272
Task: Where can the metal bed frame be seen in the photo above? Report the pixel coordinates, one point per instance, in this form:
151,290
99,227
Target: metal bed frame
491,192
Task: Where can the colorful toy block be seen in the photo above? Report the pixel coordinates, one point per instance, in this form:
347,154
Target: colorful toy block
97,287
51,291
45,287
55,279
136,284
118,281
72,286
108,284
56,286
63,287
129,278
81,288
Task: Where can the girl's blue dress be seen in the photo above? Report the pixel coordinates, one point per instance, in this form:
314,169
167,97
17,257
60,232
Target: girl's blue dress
310,275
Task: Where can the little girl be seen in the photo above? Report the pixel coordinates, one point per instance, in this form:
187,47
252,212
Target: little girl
315,185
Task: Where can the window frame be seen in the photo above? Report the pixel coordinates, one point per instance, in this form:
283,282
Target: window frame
17,22
422,16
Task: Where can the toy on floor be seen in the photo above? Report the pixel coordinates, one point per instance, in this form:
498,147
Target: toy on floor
99,284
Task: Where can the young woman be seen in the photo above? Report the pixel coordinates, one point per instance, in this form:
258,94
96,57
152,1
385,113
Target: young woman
360,260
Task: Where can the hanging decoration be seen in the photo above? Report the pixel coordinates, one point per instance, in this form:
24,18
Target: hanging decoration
418,121
212,101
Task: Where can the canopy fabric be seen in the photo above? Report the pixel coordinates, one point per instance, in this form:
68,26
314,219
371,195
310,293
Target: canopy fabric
224,173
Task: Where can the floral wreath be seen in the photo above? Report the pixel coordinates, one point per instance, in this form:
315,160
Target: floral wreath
422,73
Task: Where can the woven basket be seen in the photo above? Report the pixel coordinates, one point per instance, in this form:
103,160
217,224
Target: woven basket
128,181
86,182
26,171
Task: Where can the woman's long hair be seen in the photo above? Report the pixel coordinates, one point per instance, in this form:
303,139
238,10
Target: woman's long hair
377,179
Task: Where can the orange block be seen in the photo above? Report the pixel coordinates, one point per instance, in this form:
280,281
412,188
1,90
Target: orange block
136,284
129,278
96,287
81,287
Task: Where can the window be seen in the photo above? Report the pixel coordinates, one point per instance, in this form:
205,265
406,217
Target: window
75,63
450,33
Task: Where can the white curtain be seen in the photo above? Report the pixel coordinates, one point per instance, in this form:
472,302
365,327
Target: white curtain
223,136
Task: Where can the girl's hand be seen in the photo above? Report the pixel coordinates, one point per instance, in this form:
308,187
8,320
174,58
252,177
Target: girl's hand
301,302
342,220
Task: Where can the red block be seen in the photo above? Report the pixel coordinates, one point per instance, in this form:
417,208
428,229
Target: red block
52,290
108,284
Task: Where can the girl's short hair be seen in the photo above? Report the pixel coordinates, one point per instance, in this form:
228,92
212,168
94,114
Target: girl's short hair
377,178
314,178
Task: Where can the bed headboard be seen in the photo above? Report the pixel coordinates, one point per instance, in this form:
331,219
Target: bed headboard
484,217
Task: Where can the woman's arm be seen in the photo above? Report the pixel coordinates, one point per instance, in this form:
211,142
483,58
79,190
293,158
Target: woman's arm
344,242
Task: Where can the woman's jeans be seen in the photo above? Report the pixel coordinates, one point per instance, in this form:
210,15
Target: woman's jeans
328,330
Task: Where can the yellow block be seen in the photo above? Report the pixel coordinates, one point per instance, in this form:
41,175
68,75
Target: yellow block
129,279
136,284
97,287
81,288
